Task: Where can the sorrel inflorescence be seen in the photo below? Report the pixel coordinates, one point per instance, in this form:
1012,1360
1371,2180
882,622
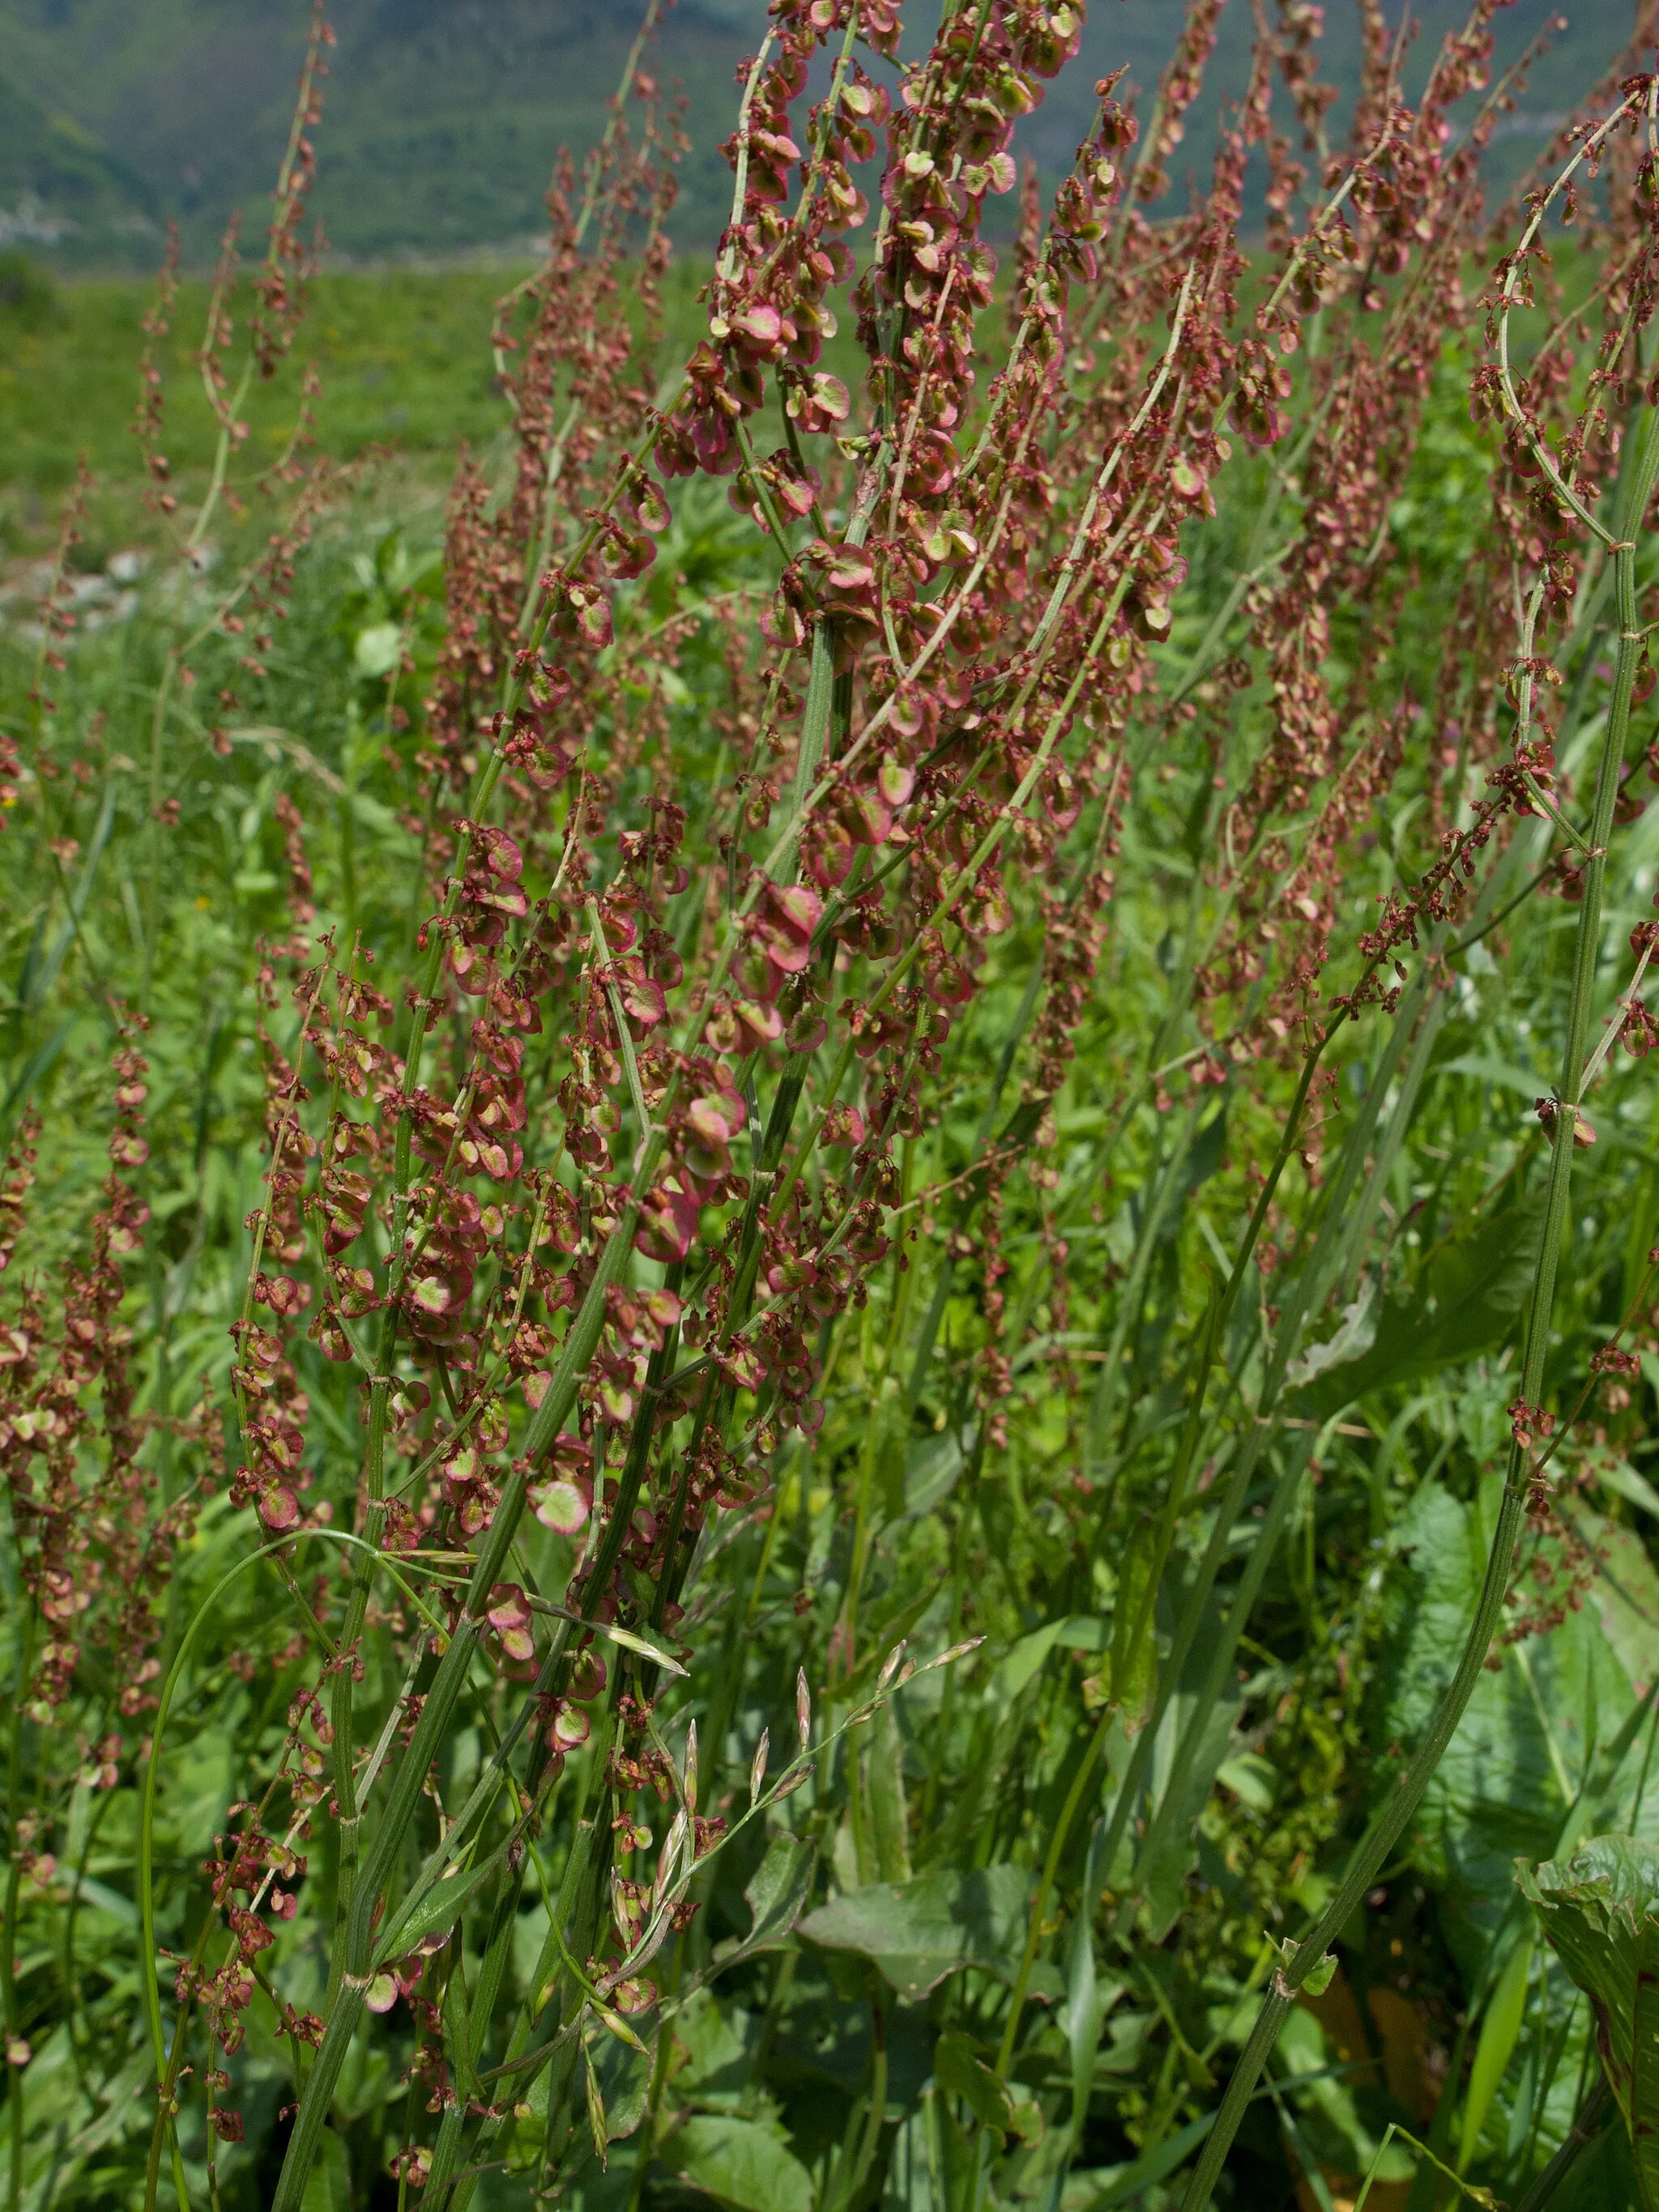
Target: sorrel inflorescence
585,1194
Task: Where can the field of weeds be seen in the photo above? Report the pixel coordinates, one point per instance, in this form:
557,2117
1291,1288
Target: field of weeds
829,1316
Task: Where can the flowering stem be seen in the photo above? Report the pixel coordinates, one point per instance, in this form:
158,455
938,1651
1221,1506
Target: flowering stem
13,2024
409,1776
1391,1823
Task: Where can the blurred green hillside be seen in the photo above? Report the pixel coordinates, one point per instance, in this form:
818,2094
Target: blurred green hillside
443,116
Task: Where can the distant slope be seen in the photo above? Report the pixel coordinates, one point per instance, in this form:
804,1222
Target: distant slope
443,116
57,183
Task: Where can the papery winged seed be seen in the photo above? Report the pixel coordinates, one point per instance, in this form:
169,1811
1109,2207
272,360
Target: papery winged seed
704,1117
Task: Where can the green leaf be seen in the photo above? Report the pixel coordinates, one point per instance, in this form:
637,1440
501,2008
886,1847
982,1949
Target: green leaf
889,1818
1319,1976
1163,1866
1322,1976
1087,1997
624,2084
1134,1671
777,1890
959,2070
1080,1633
1103,2188
328,2187
1600,1911
1620,1476
740,2163
1252,1779
1559,1704
931,1469
918,1932
630,1642
437,1911
1464,1299
1500,2032
1204,1158
378,649
1489,1069
1355,1334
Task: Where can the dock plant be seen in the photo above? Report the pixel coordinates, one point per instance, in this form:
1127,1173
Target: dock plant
827,1301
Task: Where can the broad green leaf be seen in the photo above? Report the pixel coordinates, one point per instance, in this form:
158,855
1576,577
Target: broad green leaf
1125,2044
436,1911
1355,1334
1553,1707
777,1890
715,2044
1023,1662
1252,1779
740,2163
1465,1299
918,1932
624,2086
1625,1596
1600,1911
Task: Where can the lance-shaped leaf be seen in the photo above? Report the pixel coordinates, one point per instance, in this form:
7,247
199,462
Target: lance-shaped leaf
775,1894
1600,1910
434,1913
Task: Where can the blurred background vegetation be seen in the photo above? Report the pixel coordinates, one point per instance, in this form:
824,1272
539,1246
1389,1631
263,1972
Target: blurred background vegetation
444,114
442,121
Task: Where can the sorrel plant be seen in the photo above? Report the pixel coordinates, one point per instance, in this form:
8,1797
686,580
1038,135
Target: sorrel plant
813,1196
